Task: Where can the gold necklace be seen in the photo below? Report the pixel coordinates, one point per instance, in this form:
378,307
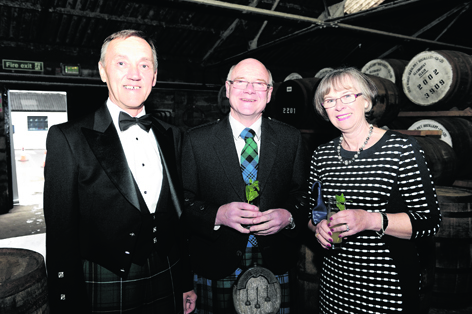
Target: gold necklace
347,162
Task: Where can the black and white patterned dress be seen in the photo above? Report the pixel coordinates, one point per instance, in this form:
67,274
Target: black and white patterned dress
372,274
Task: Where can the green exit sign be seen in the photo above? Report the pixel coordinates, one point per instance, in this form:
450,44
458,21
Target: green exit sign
70,69
22,65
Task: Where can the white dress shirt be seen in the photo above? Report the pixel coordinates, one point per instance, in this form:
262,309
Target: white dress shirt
237,127
142,155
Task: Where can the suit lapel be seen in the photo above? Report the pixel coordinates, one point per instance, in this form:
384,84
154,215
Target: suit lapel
165,145
225,149
106,146
268,153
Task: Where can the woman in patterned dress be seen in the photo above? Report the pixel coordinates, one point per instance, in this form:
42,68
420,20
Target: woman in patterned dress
391,201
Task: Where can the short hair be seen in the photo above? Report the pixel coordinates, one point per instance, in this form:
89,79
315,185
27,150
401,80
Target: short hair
228,78
126,33
335,79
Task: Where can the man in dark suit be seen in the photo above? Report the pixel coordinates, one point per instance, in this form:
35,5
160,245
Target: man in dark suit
112,198
216,207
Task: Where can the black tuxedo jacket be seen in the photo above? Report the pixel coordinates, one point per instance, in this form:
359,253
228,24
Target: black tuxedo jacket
212,177
94,210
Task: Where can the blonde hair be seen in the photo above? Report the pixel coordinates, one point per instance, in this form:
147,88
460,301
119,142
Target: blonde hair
336,79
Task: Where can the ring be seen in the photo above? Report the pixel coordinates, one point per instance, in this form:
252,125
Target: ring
316,235
347,228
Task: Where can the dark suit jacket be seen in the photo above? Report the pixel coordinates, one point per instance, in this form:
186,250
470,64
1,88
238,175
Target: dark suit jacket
212,177
94,210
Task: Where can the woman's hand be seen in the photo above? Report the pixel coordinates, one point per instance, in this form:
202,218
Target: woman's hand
322,233
353,221
350,222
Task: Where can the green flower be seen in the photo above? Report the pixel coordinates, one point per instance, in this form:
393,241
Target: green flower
341,201
252,190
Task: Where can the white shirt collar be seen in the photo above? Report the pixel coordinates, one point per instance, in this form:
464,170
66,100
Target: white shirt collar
237,127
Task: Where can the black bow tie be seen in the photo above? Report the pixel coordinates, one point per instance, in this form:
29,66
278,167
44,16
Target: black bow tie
126,121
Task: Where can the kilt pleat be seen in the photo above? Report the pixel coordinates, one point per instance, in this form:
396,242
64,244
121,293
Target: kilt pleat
148,288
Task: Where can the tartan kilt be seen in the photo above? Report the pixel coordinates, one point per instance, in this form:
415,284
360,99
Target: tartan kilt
216,296
147,289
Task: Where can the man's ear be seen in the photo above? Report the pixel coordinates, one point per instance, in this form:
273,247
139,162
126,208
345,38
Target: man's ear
103,74
154,80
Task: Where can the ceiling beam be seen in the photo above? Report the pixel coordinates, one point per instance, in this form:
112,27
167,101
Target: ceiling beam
226,33
316,24
106,17
462,8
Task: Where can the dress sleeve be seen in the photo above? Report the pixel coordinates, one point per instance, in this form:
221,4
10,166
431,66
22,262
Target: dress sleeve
417,189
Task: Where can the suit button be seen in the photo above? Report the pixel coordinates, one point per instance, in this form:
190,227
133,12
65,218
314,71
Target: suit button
63,297
122,270
155,240
239,253
132,234
154,229
202,207
127,252
60,274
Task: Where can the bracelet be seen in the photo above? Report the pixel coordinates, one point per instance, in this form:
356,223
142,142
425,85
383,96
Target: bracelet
384,225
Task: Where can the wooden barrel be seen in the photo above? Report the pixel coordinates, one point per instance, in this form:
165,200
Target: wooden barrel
457,132
453,279
23,282
387,106
390,69
193,116
441,159
294,104
439,80
321,73
308,272
223,101
293,76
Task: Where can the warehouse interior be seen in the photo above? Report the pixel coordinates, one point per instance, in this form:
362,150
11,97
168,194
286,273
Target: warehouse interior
54,45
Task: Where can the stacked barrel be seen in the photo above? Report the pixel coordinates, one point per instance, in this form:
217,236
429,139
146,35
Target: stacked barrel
436,93
428,97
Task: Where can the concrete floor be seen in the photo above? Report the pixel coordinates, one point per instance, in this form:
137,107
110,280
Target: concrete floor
24,226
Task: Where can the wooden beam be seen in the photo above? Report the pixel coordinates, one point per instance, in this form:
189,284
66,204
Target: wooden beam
428,114
434,133
316,24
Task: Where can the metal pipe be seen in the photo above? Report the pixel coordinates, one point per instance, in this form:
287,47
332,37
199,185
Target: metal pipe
303,19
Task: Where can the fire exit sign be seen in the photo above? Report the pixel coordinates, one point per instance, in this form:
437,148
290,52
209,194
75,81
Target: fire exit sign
22,65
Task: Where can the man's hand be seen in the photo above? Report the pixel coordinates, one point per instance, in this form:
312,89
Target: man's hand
236,214
190,299
271,222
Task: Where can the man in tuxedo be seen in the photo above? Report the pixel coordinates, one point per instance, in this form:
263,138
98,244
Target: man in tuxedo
216,209
112,198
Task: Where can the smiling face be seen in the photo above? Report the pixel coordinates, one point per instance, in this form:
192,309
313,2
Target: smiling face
346,117
247,104
129,73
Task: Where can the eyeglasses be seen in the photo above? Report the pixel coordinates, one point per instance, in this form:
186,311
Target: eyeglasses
257,86
346,99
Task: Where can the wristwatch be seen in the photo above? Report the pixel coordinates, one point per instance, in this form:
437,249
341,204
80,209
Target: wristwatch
291,223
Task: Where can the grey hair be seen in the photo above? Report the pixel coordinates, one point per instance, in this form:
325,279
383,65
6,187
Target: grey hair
123,34
336,80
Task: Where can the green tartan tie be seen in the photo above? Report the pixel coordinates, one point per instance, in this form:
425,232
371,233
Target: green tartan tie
249,165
